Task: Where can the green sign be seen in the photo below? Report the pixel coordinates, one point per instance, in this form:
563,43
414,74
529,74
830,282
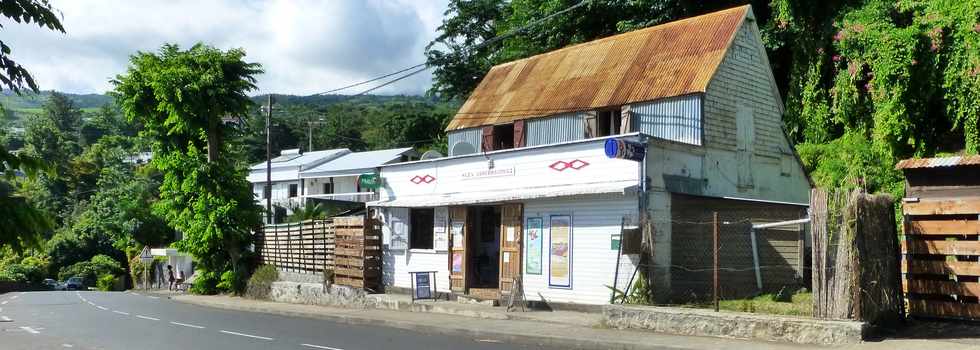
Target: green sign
370,181
614,242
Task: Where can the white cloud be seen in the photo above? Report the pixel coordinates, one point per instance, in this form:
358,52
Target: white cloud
305,46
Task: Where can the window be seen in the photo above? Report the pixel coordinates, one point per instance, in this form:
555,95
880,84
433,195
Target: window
497,137
266,191
420,233
293,190
609,123
328,186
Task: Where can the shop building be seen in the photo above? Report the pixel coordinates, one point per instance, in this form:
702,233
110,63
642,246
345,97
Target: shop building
529,194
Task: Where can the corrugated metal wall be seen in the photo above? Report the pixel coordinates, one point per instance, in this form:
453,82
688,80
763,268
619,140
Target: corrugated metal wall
676,119
560,128
470,135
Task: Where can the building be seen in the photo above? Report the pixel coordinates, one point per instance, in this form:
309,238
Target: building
339,179
287,185
528,191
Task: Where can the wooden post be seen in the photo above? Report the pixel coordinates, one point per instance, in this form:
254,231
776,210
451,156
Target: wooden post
715,246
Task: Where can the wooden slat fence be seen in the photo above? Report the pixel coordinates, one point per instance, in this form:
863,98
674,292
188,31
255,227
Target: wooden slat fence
358,252
941,258
306,246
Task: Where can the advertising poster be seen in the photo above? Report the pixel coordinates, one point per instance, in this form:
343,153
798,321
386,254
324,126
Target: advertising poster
440,237
423,290
534,247
457,262
560,274
399,228
457,232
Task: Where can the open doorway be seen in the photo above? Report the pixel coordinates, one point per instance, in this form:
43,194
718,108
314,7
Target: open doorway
483,246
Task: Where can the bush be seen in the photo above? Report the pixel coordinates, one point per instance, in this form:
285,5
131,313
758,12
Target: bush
107,283
260,284
232,282
22,273
92,269
205,282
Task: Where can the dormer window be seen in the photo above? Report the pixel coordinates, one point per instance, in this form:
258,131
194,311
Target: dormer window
609,123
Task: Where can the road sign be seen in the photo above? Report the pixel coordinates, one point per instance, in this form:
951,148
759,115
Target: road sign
145,255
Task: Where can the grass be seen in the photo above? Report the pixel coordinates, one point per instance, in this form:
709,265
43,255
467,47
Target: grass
801,305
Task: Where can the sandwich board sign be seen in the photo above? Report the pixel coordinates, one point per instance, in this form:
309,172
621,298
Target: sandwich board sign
145,255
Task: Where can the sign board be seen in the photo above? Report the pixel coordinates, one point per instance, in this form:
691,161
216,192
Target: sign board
145,255
423,285
369,181
614,242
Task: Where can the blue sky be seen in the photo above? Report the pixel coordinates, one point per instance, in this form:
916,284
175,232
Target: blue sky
305,46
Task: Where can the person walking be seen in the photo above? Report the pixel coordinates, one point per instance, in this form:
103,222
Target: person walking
170,277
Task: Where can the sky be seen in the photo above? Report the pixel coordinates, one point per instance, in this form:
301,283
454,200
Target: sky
304,46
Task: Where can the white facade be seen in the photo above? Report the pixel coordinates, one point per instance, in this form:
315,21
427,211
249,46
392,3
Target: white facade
287,187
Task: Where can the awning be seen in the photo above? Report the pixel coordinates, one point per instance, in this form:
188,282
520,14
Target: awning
478,197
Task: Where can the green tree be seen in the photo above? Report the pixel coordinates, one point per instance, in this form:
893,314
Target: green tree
180,97
22,224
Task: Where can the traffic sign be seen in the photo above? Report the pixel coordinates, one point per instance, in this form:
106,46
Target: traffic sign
145,255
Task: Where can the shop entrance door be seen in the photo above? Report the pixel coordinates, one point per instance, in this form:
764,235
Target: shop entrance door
483,251
511,228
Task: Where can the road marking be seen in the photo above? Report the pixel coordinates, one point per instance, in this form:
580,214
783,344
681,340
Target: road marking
187,325
5,319
247,335
90,303
148,318
134,293
30,330
120,312
14,297
4,302
101,307
66,345
320,347
154,297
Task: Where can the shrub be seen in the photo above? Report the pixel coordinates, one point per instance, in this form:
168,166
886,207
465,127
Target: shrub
22,273
260,284
205,282
106,282
92,269
232,282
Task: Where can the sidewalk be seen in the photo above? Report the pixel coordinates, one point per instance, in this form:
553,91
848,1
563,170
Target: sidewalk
533,328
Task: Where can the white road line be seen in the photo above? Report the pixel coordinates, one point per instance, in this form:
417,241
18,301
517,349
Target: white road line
187,325
101,307
121,313
14,297
134,293
5,319
66,345
4,302
30,330
90,303
320,347
247,335
148,318
154,297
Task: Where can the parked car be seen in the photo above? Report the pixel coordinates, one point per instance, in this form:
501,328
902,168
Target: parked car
54,285
75,283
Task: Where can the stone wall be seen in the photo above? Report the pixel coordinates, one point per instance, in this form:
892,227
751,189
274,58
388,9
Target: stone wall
700,322
316,294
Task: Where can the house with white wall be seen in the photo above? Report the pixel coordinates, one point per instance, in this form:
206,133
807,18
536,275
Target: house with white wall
287,186
340,179
537,187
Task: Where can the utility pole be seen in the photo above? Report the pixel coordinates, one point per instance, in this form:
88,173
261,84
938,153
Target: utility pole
309,132
267,191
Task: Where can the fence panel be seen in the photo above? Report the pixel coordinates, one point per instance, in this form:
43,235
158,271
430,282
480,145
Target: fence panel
305,247
941,258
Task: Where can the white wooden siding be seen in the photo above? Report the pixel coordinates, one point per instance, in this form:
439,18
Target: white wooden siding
398,264
594,219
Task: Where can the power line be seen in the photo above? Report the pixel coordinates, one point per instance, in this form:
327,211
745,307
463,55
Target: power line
425,66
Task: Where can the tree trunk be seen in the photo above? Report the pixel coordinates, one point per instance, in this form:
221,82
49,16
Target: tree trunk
214,142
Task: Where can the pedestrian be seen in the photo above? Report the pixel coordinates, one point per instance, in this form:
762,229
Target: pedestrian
180,278
170,277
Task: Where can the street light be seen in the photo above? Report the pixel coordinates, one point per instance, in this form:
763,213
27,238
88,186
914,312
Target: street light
309,132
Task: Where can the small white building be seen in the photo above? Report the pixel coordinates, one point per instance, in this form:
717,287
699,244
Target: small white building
339,179
287,186
528,191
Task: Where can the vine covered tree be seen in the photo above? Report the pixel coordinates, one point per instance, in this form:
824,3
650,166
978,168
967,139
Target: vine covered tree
180,97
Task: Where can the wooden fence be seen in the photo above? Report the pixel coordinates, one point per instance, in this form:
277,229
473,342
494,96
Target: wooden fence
306,246
358,252
941,253
855,257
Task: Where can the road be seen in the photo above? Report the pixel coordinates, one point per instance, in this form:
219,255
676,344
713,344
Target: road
113,320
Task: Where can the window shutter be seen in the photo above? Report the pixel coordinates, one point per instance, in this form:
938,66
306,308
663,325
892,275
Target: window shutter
519,134
591,124
626,125
487,143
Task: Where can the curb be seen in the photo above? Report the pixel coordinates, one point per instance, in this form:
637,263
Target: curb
514,338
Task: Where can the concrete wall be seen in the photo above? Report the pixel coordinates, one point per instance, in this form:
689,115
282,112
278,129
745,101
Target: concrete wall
280,193
342,184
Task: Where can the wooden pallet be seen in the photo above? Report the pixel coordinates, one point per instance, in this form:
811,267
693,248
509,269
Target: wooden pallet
358,252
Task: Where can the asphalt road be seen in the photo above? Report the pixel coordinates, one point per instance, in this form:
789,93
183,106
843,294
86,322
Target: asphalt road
106,320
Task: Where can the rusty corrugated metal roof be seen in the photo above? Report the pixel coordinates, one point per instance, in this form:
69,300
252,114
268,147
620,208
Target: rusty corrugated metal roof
666,60
918,163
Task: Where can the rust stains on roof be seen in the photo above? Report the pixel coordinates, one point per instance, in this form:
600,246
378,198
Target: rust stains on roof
666,60
919,163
